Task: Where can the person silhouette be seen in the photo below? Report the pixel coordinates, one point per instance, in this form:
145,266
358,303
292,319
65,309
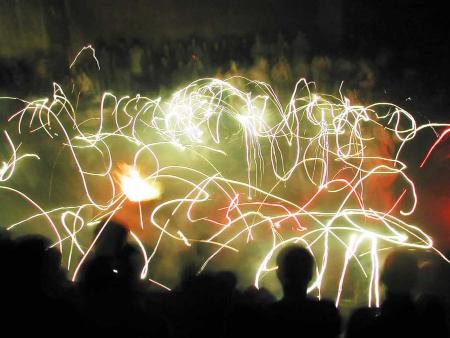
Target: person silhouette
398,315
432,298
296,312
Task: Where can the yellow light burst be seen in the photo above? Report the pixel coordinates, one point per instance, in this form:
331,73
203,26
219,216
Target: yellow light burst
135,187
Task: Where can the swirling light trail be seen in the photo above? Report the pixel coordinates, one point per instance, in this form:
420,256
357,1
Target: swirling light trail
319,144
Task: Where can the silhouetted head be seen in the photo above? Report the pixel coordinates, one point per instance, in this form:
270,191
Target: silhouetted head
112,239
228,280
400,272
295,269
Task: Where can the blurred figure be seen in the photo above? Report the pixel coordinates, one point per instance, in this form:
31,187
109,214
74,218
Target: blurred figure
259,49
136,65
84,83
397,316
300,46
296,312
320,71
41,75
260,70
280,47
400,273
121,66
281,75
105,59
432,302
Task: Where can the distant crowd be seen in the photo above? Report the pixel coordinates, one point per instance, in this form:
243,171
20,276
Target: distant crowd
132,66
109,299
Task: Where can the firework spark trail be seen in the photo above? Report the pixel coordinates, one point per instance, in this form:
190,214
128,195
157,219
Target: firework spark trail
321,138
81,51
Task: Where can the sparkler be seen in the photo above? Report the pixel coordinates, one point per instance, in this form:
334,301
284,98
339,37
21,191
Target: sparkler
234,162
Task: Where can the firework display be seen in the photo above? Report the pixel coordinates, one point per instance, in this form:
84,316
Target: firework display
220,165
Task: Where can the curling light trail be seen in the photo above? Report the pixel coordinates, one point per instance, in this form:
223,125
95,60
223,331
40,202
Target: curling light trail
81,51
228,158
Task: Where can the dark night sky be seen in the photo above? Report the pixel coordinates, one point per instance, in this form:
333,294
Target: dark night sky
418,30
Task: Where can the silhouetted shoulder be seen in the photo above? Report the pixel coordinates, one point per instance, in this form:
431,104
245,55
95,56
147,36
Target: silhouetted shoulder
360,323
311,317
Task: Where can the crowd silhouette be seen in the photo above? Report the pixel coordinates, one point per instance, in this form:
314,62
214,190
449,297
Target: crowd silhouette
133,66
151,68
110,299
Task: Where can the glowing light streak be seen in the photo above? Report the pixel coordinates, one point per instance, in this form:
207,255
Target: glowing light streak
81,51
317,146
440,138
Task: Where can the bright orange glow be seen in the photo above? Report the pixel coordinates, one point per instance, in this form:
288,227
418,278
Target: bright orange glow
137,188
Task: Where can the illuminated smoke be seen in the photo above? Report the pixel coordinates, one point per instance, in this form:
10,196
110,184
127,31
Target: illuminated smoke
221,171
